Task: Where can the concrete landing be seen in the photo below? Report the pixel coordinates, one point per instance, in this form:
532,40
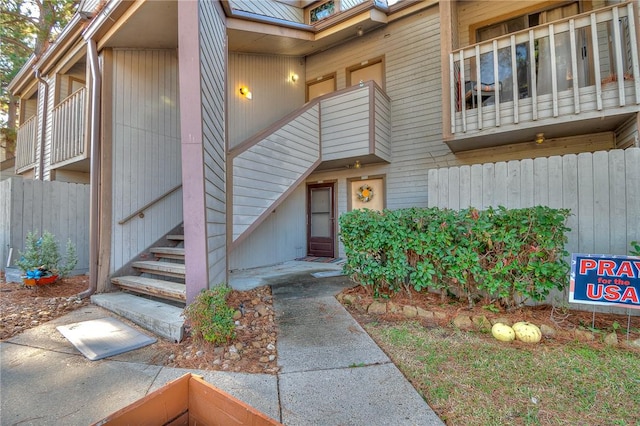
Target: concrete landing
159,318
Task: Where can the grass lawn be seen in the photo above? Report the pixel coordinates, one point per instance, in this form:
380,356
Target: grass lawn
469,378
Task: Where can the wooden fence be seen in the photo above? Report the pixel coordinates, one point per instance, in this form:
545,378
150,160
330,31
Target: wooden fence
58,207
602,189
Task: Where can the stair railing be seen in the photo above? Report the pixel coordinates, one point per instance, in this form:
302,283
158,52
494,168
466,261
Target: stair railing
140,211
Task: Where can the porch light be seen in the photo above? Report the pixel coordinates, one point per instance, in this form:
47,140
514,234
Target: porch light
244,91
539,138
357,164
294,77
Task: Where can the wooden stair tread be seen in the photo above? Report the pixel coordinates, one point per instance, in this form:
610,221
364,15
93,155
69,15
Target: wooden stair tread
175,237
176,253
161,268
167,250
154,287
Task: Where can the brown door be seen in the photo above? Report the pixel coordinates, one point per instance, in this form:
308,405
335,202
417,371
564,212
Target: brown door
321,87
320,220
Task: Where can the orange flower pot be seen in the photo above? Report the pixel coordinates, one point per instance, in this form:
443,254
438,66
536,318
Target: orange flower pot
30,282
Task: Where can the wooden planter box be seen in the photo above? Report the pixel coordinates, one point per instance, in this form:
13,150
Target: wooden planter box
188,400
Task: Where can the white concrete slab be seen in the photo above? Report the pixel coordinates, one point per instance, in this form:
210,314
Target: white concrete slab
41,387
372,395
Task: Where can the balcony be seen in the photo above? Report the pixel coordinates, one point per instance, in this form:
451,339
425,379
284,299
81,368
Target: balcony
68,144
26,145
555,78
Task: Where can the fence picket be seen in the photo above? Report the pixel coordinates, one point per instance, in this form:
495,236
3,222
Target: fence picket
618,189
601,202
585,203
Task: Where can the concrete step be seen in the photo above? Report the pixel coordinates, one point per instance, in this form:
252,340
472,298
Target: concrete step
175,237
168,252
159,318
166,269
153,287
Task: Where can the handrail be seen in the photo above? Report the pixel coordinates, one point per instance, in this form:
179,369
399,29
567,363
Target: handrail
140,211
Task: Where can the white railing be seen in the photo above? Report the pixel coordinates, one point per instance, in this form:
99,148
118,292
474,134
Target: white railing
588,62
68,128
26,145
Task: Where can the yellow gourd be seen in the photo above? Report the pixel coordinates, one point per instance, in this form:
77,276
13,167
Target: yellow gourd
527,332
503,332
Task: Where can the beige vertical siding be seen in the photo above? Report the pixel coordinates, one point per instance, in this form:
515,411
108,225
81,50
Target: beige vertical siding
274,94
213,61
146,149
270,8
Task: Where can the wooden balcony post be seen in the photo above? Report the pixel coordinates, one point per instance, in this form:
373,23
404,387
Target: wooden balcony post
448,80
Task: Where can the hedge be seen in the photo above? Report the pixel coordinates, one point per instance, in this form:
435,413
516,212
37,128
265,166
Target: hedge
496,255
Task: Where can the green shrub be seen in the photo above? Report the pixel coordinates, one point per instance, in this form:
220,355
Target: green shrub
501,255
42,253
209,316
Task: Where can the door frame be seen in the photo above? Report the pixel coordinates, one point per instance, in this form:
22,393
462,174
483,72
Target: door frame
333,76
323,184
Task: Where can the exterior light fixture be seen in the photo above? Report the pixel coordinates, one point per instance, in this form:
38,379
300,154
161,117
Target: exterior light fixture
244,91
294,77
357,164
539,138
360,32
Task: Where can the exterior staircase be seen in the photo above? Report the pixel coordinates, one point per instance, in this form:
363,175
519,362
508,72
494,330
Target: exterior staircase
155,298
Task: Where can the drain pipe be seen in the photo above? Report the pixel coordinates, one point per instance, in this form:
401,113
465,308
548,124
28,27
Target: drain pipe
43,126
94,138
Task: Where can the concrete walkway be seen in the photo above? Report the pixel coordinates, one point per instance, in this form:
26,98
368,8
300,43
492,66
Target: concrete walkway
331,372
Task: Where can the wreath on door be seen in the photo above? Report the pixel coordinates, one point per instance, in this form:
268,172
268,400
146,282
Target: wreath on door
365,193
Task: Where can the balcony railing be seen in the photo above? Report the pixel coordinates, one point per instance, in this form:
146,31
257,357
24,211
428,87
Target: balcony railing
68,129
585,64
26,145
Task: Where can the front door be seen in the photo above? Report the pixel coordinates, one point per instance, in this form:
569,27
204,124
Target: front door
320,220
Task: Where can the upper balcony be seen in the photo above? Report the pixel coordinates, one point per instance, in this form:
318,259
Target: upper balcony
554,78
26,145
68,142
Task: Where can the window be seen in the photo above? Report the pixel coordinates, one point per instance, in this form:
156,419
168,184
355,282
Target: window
321,12
523,56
